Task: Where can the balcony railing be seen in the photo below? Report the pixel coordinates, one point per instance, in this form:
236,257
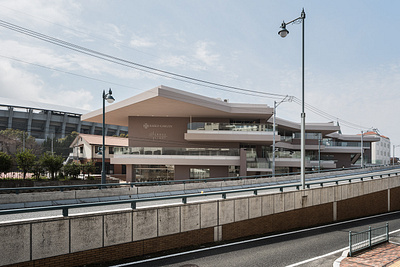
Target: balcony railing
118,151
216,126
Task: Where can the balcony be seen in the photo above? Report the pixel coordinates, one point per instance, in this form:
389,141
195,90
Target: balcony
230,132
176,156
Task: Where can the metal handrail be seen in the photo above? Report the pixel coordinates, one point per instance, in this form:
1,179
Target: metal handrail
132,184
366,239
183,198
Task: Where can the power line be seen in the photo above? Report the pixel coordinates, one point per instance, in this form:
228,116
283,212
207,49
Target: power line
128,63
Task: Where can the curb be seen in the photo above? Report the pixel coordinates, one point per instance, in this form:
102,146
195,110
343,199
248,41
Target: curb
337,262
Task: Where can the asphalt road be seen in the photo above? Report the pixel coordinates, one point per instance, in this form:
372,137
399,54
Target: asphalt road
158,203
289,249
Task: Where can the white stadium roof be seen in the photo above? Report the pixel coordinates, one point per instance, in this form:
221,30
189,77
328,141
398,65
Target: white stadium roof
17,103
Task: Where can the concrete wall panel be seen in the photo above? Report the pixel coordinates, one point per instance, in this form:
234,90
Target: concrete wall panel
190,217
14,245
289,201
279,203
86,233
117,228
298,203
209,214
144,224
226,211
50,238
169,221
267,205
255,207
241,209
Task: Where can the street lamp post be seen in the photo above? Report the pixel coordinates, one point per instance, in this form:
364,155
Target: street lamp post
283,33
110,99
362,149
287,98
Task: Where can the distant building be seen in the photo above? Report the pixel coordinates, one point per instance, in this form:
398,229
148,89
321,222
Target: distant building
174,134
44,121
87,147
380,150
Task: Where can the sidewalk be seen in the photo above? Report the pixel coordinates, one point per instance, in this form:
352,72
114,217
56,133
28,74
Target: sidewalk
387,254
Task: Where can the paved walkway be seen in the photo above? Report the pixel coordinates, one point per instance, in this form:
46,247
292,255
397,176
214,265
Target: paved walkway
387,254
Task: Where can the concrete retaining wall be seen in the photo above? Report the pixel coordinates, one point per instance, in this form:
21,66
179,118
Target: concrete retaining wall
221,220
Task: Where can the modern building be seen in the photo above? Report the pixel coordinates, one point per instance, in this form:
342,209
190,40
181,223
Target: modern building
44,121
380,150
179,135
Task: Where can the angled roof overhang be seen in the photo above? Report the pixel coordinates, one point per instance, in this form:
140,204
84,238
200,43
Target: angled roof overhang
354,137
164,101
324,128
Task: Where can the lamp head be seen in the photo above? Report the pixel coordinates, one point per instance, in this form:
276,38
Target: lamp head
283,32
110,99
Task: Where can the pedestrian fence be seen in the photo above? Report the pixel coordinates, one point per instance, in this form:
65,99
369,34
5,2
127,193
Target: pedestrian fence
367,239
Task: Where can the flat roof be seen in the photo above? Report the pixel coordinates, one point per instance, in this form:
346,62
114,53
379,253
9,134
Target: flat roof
163,101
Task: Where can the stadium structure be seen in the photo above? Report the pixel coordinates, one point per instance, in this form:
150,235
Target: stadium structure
42,120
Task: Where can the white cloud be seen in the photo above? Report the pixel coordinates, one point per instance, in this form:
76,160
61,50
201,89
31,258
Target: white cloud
141,42
19,84
41,12
204,54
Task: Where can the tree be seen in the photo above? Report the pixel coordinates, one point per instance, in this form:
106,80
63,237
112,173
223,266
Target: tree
15,140
89,168
6,162
72,170
37,169
60,145
25,160
51,163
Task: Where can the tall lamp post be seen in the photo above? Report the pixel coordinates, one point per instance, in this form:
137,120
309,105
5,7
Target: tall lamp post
283,33
110,99
287,98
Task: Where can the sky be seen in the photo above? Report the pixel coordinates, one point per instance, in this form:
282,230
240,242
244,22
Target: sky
352,54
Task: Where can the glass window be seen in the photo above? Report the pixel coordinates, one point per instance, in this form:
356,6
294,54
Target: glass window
197,173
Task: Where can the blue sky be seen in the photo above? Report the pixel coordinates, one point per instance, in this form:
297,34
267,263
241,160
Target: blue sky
352,54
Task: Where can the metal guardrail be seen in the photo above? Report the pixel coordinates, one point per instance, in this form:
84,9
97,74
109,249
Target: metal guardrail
132,184
184,198
367,239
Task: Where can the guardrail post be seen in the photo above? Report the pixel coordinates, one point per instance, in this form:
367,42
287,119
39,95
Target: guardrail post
350,250
369,237
255,192
65,212
387,231
133,205
281,189
184,200
224,195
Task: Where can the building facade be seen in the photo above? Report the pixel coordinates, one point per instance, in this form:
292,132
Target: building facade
88,147
179,135
380,150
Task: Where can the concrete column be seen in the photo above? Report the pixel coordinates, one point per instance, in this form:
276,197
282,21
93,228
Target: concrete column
47,127
130,173
243,162
92,128
10,117
64,124
78,129
118,130
106,129
29,126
